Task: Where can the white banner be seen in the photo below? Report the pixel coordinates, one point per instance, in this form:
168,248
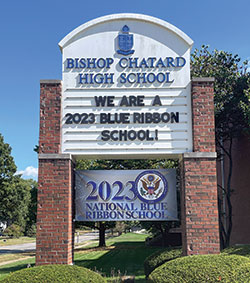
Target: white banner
126,195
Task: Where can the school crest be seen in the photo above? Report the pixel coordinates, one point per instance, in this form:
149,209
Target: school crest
151,186
125,42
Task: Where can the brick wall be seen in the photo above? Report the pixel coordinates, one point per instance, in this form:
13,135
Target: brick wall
200,228
50,116
200,211
54,212
203,115
55,233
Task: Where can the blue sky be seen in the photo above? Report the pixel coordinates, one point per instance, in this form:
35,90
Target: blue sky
30,32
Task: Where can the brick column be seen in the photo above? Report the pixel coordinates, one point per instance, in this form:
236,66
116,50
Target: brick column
200,225
50,116
55,240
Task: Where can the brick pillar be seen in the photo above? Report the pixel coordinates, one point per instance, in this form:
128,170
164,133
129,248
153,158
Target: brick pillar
55,240
200,225
50,116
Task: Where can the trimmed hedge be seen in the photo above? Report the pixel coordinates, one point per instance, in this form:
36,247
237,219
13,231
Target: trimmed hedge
203,268
54,273
160,257
243,250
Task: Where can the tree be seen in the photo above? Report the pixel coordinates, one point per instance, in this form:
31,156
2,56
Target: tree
30,229
7,171
15,192
7,164
14,201
232,114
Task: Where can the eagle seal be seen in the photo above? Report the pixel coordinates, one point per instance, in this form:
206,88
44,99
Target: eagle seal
151,186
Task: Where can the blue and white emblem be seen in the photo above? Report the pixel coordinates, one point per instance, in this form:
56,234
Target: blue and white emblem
151,186
125,42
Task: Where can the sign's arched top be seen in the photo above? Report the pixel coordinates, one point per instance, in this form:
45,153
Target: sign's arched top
126,89
72,36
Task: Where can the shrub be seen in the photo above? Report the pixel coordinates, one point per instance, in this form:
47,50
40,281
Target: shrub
203,268
160,257
54,273
14,231
243,250
31,231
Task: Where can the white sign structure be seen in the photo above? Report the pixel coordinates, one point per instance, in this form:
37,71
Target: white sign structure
126,89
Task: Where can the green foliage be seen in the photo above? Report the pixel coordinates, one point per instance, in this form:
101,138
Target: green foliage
125,164
126,256
203,268
14,191
13,231
232,89
54,273
232,114
31,230
17,196
160,257
156,227
14,201
7,171
7,164
243,250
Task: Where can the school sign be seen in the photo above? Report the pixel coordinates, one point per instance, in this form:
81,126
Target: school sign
126,88
125,93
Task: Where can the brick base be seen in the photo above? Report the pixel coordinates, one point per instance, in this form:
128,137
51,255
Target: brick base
54,243
200,227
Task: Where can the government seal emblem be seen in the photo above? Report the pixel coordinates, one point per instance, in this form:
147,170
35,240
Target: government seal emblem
151,186
125,42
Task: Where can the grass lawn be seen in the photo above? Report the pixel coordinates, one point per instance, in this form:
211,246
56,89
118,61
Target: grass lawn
14,256
5,241
124,254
